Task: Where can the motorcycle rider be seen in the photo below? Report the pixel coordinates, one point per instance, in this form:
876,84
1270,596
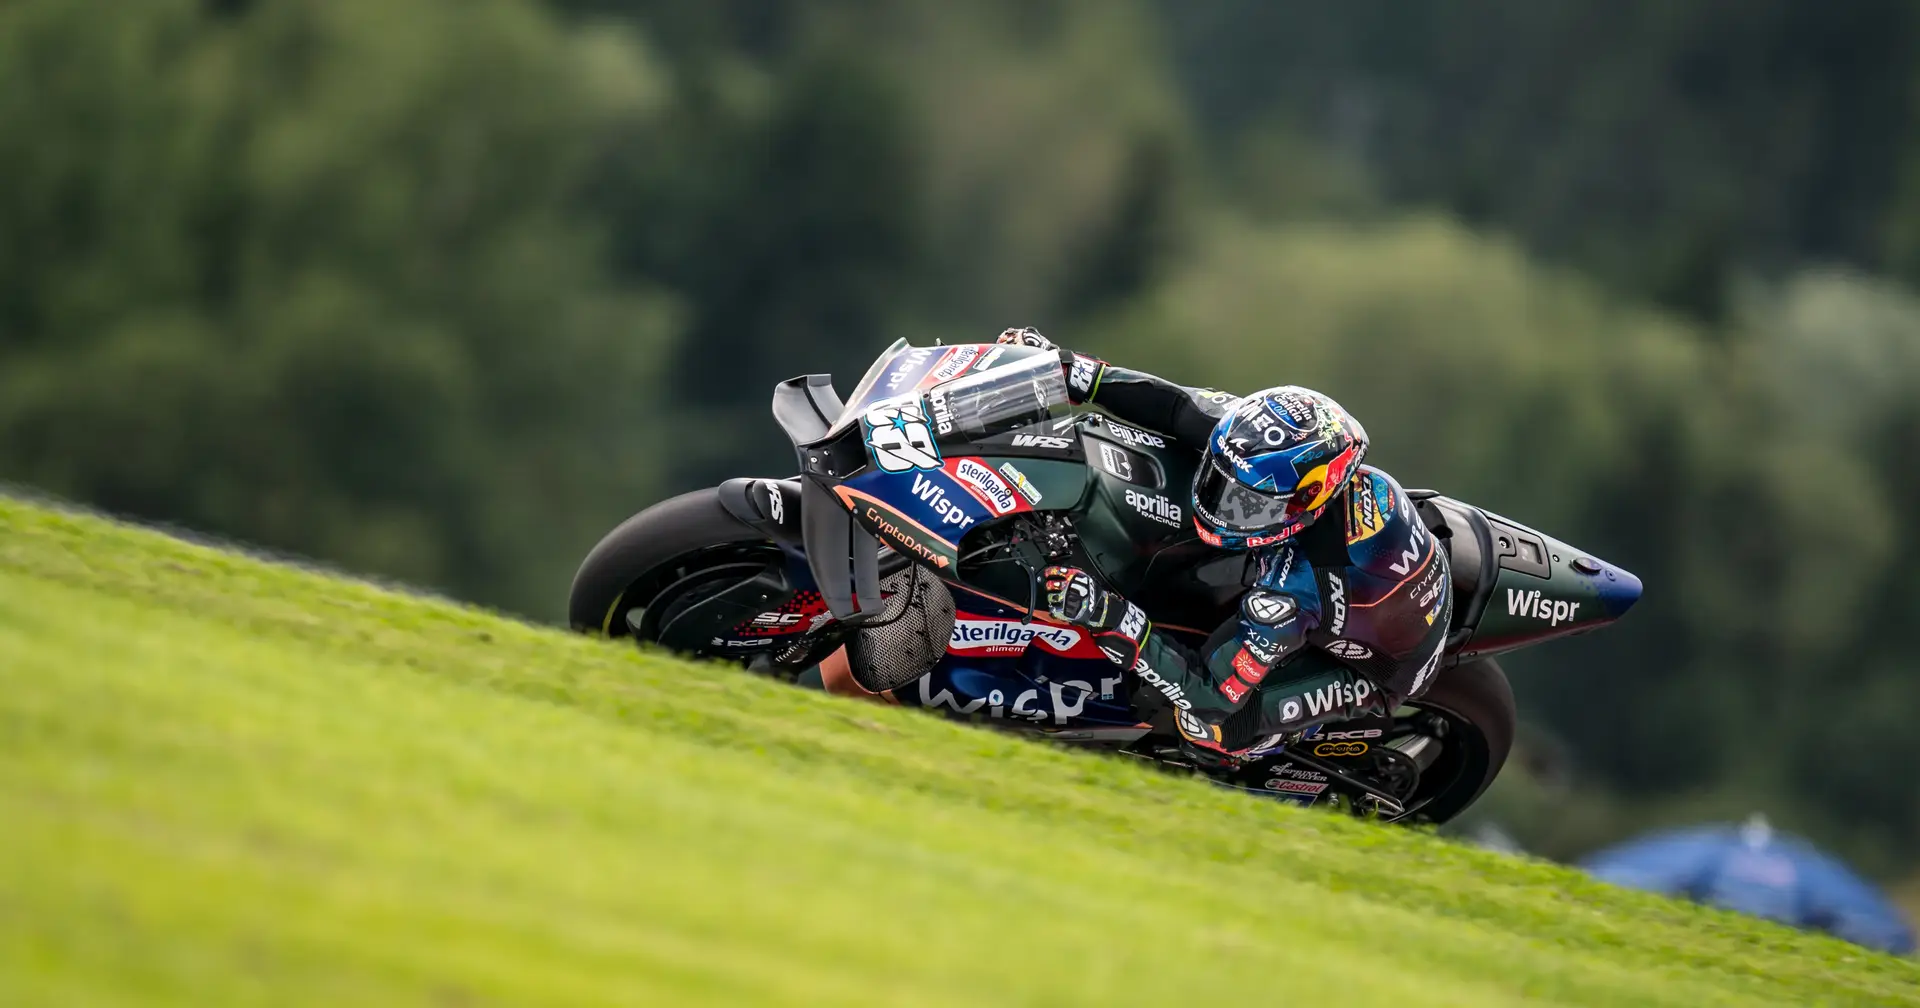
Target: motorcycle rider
1348,610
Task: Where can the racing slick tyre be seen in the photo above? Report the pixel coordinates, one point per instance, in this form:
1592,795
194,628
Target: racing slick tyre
1477,702
681,549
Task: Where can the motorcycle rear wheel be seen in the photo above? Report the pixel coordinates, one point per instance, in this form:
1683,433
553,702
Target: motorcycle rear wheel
1476,702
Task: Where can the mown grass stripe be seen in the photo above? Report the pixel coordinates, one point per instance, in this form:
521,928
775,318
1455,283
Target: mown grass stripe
226,781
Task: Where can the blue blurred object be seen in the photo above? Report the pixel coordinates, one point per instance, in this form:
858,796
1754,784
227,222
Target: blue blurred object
1753,870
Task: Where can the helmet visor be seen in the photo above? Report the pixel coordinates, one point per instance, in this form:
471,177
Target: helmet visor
1243,509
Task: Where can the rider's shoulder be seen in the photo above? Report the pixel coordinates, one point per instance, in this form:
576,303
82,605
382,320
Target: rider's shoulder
1212,401
1382,527
1281,571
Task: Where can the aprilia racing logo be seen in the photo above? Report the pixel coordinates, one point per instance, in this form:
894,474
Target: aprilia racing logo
1537,606
1167,687
942,412
1134,436
1155,507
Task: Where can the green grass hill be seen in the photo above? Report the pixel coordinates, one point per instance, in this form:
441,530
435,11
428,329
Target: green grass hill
225,781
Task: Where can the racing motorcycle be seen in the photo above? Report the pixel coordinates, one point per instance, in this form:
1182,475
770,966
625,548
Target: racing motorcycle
967,465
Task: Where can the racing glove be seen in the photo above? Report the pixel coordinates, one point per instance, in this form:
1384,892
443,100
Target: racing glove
1083,372
1119,627
1028,336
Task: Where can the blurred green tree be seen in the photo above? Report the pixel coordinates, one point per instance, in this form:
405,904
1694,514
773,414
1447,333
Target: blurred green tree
318,275
845,172
1666,146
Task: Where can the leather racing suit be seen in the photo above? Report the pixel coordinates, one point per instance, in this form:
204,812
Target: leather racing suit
1345,619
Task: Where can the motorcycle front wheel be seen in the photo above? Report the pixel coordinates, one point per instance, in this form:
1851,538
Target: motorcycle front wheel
674,554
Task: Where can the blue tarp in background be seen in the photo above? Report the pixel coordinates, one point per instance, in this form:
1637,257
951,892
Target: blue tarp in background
1754,870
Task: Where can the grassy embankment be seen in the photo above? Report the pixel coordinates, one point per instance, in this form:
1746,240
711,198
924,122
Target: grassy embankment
226,781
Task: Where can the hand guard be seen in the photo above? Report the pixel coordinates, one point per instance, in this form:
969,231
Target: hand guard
1119,627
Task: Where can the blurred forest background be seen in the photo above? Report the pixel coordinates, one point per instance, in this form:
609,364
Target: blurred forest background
441,289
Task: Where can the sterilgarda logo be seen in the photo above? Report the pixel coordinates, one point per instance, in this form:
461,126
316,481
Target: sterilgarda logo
934,495
955,362
986,484
942,412
1538,606
991,636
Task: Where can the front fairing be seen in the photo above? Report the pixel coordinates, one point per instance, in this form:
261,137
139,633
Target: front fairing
936,442
938,445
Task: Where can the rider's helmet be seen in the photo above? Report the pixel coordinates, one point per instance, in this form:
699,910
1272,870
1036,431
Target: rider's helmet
1273,465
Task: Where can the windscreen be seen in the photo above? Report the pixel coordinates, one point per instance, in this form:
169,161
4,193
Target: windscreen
1023,390
865,392
996,382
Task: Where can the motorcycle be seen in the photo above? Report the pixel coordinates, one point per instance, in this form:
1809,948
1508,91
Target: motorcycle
968,464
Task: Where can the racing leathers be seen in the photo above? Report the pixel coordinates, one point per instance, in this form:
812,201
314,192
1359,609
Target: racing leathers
1345,619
